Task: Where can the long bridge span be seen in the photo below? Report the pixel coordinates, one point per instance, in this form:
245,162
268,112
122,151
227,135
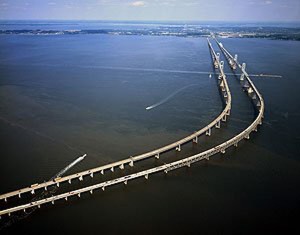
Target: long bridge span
221,148
216,123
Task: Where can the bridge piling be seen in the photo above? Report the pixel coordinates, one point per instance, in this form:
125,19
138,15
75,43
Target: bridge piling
208,132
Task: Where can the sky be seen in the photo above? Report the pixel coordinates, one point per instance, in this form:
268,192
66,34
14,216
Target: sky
160,10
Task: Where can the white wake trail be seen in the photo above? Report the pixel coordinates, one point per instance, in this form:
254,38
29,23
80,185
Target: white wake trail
169,97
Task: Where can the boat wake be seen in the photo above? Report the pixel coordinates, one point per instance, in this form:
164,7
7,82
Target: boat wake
170,96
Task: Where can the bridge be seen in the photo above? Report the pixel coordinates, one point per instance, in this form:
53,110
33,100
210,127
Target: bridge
245,134
216,123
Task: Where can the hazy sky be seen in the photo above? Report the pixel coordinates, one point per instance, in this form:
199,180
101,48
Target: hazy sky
247,10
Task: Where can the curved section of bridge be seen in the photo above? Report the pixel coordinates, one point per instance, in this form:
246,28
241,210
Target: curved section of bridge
155,153
177,164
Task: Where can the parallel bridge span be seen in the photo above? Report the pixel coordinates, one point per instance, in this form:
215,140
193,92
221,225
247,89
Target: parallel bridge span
167,167
155,153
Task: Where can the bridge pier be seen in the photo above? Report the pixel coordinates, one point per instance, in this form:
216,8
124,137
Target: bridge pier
223,151
78,194
45,188
131,163
103,188
235,144
52,202
39,206
102,172
195,140
91,191
32,191
19,195
242,77
178,148
121,166
66,198
57,184
157,156
244,66
247,137
80,178
125,182
92,175
221,64
208,132
218,125
112,169
224,118
235,57
70,181
146,176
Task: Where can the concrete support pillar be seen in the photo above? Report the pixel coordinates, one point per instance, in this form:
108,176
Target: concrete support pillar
207,158
70,181
146,176
78,194
244,66
102,172
32,191
166,171
225,95
222,64
247,137
91,191
224,118
223,151
112,169
19,195
121,166
195,140
131,163
52,202
220,76
66,198
125,182
188,164
178,148
218,125
57,184
39,206
45,188
242,78
92,175
157,156
228,112
235,57
80,178
235,144
208,132
103,188
24,210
